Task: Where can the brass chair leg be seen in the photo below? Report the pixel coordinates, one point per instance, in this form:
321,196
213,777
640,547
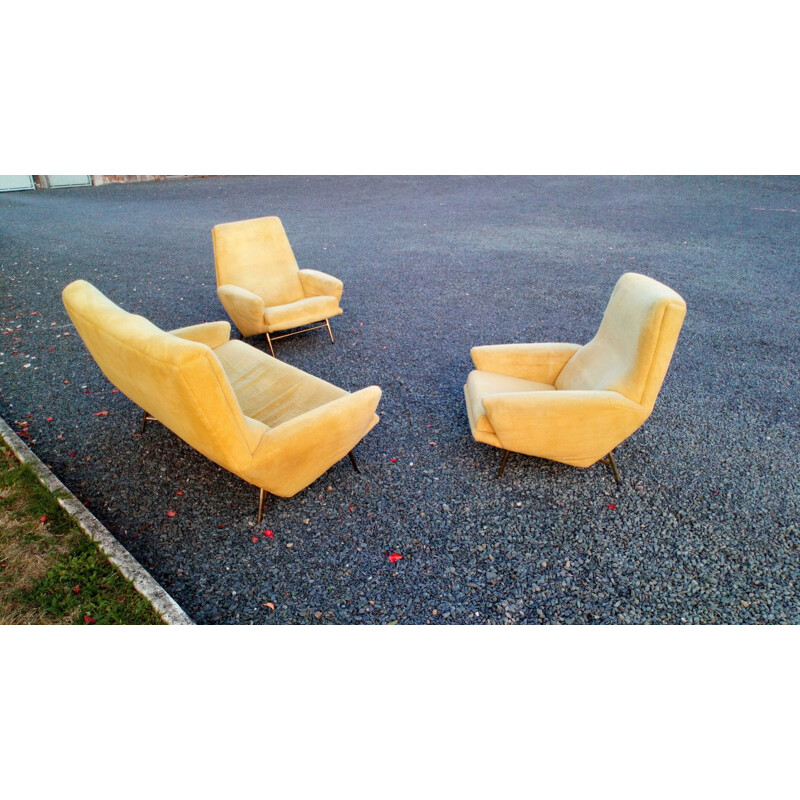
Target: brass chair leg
353,462
269,342
330,332
261,497
503,463
609,462
145,419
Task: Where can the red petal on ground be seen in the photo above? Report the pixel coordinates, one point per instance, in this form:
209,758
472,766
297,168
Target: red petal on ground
76,589
254,538
269,534
43,518
394,557
179,493
172,513
612,506
393,460
89,620
269,605
72,454
49,419
101,413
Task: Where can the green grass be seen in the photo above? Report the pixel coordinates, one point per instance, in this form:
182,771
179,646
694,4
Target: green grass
50,571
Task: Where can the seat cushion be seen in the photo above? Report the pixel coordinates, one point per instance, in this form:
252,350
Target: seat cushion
269,390
301,312
480,384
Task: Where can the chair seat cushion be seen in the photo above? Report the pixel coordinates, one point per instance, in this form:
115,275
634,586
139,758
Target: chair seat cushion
269,390
301,312
481,384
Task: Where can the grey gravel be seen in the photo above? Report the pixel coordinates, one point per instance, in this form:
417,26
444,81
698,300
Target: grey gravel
705,528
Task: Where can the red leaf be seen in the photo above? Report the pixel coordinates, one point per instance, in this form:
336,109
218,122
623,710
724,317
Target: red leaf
89,620
254,538
269,534
394,557
101,413
172,513
612,506
76,589
43,518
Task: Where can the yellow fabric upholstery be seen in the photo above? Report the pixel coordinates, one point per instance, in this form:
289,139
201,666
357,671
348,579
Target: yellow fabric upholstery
259,283
576,404
269,423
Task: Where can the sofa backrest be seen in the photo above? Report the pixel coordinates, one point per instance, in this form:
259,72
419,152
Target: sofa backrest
256,255
632,349
179,382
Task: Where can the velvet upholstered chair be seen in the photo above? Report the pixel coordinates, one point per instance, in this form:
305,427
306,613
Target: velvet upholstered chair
262,288
575,404
271,424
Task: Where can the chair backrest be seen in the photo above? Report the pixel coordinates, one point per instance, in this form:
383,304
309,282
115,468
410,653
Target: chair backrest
633,347
181,383
256,255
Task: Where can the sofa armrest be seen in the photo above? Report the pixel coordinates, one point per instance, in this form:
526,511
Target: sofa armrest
212,334
298,451
245,308
575,427
317,283
541,361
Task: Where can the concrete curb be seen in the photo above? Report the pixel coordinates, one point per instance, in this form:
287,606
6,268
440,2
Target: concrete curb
142,580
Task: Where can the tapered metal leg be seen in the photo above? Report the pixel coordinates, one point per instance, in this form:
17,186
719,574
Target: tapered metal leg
353,462
503,463
271,348
145,419
261,497
609,462
330,332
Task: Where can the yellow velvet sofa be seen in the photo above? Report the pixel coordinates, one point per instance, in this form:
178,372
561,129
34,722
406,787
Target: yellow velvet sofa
575,404
260,285
271,424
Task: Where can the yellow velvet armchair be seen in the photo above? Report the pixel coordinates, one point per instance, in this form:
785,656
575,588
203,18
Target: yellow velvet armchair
271,424
260,285
575,404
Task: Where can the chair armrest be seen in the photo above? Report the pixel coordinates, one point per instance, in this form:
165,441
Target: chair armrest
245,308
575,427
212,334
540,362
317,283
298,451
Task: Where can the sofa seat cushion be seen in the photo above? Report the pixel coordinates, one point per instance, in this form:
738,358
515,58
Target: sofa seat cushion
301,312
269,390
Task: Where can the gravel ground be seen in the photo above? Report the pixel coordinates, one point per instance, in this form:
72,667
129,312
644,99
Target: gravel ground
703,528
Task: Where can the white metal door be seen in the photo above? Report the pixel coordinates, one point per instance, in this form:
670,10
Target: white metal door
13,183
58,181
